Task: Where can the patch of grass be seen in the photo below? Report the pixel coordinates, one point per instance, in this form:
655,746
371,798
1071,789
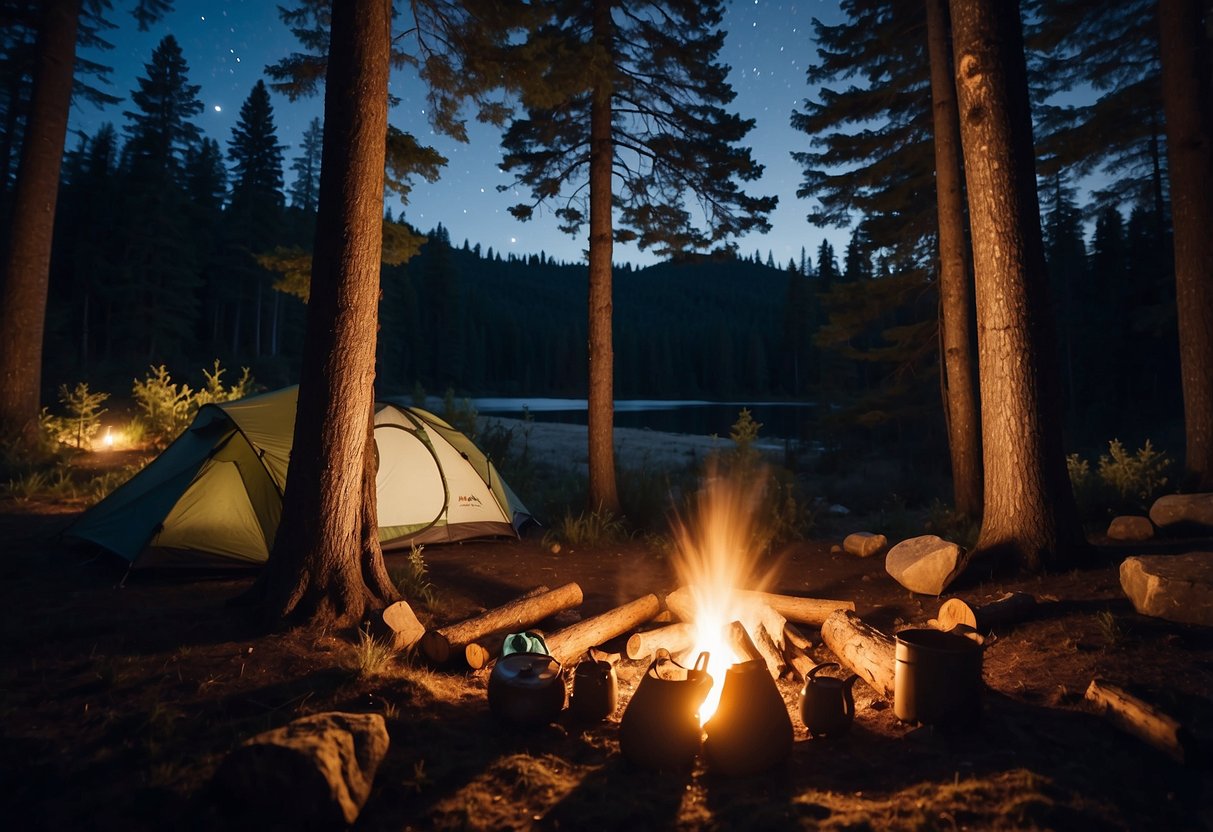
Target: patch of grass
1109,627
589,528
370,657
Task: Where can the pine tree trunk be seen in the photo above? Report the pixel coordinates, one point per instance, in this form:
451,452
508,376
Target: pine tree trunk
955,298
1186,103
601,404
326,567
27,268
1029,511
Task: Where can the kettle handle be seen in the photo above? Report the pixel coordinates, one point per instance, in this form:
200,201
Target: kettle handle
822,666
703,657
848,698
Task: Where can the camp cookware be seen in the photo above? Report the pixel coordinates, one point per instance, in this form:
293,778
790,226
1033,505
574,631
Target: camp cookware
526,689
595,691
937,678
827,706
660,727
751,730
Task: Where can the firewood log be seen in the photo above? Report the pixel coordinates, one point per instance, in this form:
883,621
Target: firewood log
439,645
1006,610
673,637
741,642
798,660
793,635
864,649
572,641
1141,719
801,610
771,652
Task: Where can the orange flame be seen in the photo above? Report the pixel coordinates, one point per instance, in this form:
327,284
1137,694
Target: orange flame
716,554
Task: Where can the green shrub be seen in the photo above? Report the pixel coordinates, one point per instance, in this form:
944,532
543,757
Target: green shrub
82,423
1136,478
167,408
410,578
1123,482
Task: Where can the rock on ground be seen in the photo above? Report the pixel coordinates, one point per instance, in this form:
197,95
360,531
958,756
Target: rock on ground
1174,587
1176,509
925,564
1130,527
864,544
313,773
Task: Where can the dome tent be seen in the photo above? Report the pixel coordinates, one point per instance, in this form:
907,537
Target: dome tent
214,496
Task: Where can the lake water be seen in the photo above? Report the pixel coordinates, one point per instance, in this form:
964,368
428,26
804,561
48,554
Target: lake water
780,420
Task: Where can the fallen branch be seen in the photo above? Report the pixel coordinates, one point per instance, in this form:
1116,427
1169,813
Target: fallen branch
740,641
799,661
572,641
1008,609
793,635
1141,719
864,649
519,614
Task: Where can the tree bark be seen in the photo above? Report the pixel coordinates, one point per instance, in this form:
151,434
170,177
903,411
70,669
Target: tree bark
601,404
1186,103
1029,511
955,297
26,271
326,567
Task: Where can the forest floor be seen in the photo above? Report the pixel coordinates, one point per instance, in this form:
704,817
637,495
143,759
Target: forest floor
118,701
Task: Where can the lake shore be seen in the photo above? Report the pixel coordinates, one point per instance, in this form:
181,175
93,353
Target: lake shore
566,445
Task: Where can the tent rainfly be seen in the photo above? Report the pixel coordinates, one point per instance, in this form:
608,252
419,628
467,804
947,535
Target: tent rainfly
214,496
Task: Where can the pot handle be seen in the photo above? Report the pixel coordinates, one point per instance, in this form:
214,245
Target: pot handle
703,657
822,666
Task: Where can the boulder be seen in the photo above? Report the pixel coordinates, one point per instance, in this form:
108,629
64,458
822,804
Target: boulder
313,773
1174,587
864,544
925,564
1183,509
1130,527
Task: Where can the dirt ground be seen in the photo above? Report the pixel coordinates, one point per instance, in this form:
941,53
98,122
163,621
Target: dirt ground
119,700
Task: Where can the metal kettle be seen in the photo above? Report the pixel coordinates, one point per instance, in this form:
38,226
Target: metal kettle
526,689
827,706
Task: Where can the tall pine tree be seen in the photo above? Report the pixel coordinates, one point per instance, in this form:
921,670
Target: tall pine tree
306,168
625,105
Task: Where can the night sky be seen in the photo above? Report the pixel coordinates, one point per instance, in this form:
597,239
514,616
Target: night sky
228,43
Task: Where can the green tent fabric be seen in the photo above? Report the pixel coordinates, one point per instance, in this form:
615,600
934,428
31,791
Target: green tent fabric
214,496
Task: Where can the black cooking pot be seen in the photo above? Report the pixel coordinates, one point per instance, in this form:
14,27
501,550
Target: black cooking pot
937,678
526,689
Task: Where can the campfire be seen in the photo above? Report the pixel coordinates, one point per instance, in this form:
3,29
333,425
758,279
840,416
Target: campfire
717,550
721,629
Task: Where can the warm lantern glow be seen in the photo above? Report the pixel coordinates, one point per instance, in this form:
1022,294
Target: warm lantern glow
109,439
716,554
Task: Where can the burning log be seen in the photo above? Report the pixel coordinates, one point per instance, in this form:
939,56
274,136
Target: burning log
864,649
572,641
771,652
740,641
674,638
1011,608
801,610
1141,719
438,645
